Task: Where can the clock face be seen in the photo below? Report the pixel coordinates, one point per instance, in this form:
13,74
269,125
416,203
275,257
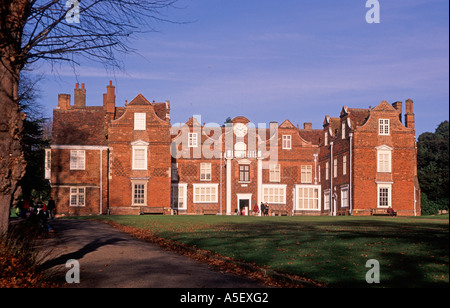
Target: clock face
240,130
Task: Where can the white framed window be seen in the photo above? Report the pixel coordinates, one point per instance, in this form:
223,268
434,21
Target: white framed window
274,172
319,173
205,193
77,196
205,172
139,193
384,195
383,127
306,174
327,171
287,142
139,158
384,161
326,199
344,165
307,197
274,194
344,196
193,140
326,138
140,121
179,196
48,163
77,159
244,173
335,167
343,130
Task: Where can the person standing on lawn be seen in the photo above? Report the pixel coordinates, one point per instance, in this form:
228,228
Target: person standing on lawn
255,209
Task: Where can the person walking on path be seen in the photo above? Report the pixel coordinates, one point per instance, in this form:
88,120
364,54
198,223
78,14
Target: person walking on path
51,207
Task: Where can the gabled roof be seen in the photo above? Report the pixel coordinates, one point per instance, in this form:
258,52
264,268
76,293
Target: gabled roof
358,116
193,122
139,100
287,124
384,106
159,108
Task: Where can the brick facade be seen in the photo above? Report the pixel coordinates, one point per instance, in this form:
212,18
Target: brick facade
131,160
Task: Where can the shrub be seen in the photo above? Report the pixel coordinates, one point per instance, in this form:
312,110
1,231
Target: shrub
429,207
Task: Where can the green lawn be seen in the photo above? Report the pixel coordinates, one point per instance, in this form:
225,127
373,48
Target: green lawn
334,250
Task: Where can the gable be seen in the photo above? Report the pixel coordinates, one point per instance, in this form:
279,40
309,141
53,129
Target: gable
139,100
287,124
384,106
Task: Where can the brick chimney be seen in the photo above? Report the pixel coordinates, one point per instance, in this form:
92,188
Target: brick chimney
109,98
307,126
79,96
398,107
63,101
409,115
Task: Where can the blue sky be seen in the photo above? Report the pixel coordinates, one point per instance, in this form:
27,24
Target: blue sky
271,60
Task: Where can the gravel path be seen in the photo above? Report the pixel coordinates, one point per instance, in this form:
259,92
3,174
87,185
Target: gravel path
109,258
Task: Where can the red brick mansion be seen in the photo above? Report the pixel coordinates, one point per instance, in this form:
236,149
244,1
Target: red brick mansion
131,160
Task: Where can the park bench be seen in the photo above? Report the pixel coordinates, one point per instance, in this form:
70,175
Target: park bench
342,212
209,212
382,212
147,210
279,212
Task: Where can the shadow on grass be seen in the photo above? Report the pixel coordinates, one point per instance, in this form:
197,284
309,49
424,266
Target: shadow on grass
411,254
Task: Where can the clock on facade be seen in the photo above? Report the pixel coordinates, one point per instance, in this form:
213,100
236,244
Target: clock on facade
240,130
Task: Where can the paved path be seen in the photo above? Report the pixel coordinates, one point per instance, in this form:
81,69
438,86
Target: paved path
111,258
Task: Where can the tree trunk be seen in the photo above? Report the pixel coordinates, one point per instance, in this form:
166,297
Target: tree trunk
12,162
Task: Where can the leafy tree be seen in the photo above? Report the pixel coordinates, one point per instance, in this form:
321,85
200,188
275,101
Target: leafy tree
433,167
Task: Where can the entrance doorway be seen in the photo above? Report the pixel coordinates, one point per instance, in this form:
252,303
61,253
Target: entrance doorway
243,203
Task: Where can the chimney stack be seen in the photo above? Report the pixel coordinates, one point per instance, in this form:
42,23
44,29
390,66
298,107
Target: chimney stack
109,98
409,115
307,126
79,96
398,107
63,101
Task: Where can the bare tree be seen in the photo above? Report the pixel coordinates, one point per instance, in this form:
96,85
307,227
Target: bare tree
57,30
